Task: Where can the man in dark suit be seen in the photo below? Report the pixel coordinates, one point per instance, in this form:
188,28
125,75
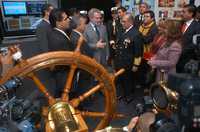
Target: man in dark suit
111,24
190,28
127,55
143,7
121,11
198,14
44,29
80,25
115,29
83,78
59,41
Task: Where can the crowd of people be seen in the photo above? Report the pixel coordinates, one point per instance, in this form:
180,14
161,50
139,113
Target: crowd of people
141,45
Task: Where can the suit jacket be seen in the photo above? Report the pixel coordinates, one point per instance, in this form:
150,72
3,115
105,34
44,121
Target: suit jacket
137,21
85,49
166,58
58,41
110,30
188,52
92,38
151,34
43,32
119,30
127,49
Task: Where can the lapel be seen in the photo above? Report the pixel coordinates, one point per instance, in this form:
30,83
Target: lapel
189,29
93,32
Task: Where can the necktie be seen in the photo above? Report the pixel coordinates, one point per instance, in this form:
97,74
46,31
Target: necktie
184,26
114,28
97,32
141,18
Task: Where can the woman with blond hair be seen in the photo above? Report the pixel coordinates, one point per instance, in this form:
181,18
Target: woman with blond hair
168,54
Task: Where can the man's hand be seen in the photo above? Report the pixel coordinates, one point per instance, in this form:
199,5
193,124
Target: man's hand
134,68
132,124
100,44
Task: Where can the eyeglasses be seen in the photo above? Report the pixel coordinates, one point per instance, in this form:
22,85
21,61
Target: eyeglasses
146,16
66,18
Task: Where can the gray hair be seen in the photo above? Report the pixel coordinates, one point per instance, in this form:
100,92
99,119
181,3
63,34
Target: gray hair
130,17
77,19
92,11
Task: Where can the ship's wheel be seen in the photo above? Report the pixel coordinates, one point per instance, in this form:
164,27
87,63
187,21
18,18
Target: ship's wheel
75,60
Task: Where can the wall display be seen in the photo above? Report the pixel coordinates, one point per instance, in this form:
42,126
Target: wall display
151,4
25,23
163,14
21,16
166,3
177,14
35,7
181,3
197,2
137,2
128,4
161,8
169,8
13,24
12,8
133,5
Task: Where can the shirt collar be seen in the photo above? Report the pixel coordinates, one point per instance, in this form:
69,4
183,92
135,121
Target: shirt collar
93,26
189,22
46,20
128,29
77,32
62,32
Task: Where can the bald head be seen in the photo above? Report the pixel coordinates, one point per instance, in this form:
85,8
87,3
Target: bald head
127,20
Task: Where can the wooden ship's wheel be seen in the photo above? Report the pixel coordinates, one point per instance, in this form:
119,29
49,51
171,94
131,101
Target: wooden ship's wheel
54,113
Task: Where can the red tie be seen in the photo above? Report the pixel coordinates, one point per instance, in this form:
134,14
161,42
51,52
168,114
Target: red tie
184,26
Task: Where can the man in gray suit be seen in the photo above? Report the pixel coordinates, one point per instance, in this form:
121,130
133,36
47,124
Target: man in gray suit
44,29
96,36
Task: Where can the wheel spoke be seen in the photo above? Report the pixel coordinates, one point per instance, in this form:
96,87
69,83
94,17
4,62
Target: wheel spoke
68,83
42,88
76,101
119,72
101,114
79,44
93,114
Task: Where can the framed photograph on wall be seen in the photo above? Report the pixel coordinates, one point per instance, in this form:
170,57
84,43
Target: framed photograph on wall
166,3
163,14
177,14
137,2
181,3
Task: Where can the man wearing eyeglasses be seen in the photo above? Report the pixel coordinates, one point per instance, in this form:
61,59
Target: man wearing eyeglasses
59,41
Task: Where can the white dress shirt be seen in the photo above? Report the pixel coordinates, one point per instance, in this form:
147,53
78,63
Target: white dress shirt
62,32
